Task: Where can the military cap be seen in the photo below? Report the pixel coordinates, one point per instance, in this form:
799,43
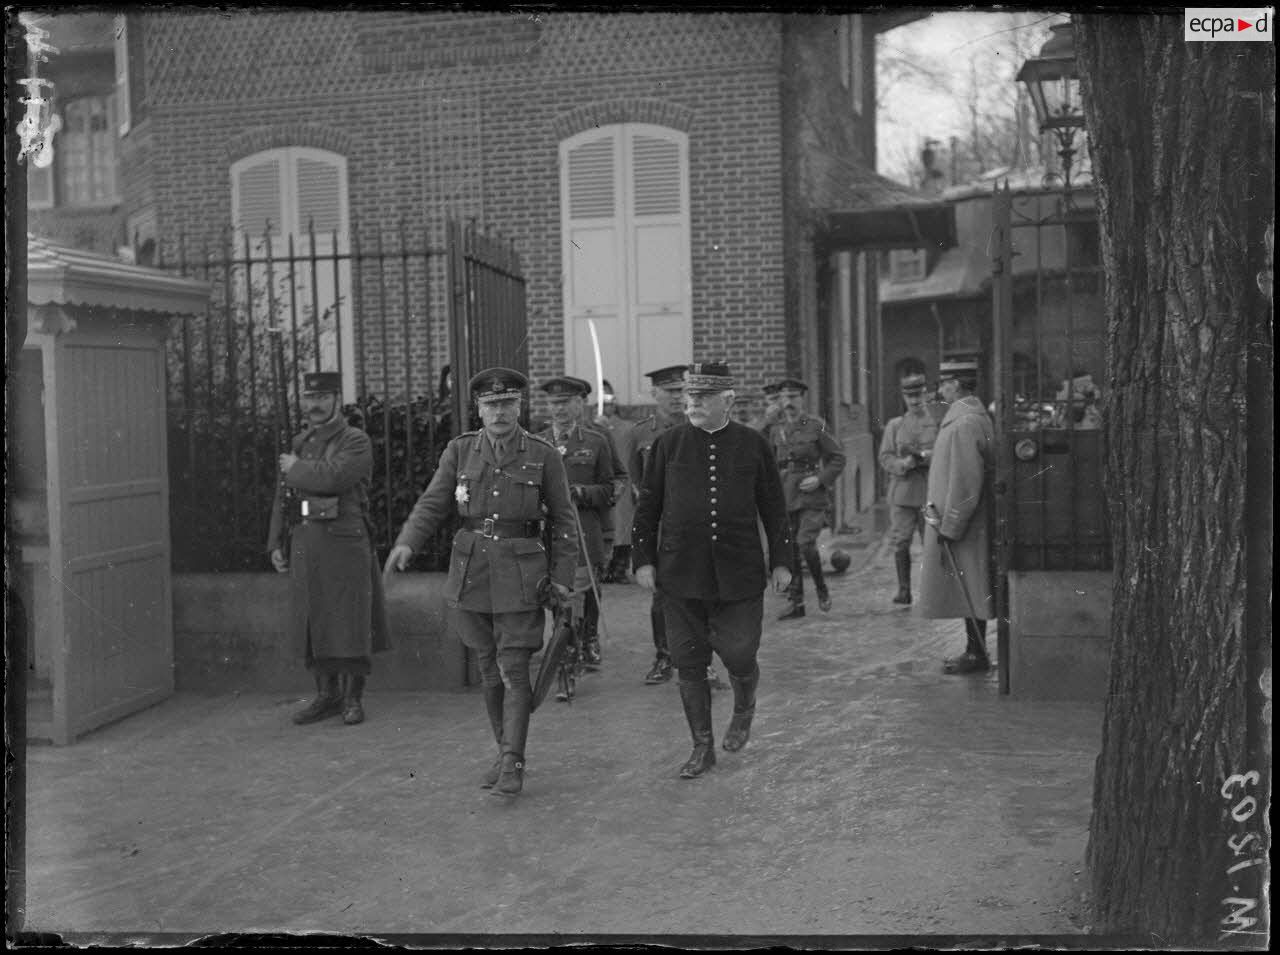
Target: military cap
671,375
608,390
791,384
913,384
769,390
327,382
709,376
566,385
497,383
958,366
743,397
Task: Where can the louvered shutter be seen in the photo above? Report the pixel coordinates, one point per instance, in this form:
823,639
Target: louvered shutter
658,245
594,285
319,193
256,198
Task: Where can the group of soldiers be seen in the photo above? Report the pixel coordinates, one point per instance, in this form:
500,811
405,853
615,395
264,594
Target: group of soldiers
709,512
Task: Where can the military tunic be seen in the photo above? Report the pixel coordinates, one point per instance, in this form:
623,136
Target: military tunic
958,487
905,449
804,448
588,463
500,572
336,607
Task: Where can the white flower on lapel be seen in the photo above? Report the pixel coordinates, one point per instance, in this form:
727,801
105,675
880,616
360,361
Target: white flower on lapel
460,493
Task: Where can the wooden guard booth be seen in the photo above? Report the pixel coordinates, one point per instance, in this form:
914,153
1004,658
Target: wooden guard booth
89,487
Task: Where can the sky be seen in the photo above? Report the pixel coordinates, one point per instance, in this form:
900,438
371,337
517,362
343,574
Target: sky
914,108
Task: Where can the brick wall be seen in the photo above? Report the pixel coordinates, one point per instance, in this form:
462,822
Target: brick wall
463,114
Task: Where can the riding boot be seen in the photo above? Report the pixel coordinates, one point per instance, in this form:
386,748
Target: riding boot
795,593
621,560
814,560
696,697
328,701
903,560
352,691
493,706
515,730
744,708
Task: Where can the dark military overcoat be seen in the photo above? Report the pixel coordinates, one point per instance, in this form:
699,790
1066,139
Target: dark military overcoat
702,502
335,593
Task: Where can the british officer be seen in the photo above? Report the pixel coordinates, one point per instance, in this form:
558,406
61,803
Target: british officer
503,482
707,487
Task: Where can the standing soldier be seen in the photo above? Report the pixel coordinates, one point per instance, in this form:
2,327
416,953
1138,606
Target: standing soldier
905,450
588,463
955,573
667,388
709,485
811,459
619,431
337,618
504,482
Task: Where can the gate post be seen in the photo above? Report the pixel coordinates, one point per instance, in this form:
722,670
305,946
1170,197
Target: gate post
1002,386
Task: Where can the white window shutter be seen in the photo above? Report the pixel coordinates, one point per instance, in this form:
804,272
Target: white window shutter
655,176
591,180
320,199
256,195
122,73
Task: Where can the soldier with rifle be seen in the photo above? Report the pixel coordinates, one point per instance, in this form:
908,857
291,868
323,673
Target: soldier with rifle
504,483
320,534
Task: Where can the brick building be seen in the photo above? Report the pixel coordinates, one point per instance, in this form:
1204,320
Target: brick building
698,186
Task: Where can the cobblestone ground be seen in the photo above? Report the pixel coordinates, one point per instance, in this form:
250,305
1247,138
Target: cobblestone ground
876,797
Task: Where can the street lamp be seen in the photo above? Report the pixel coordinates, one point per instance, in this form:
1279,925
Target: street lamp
1054,86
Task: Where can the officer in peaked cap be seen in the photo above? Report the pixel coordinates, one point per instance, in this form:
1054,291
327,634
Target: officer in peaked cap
905,451
709,563
811,459
955,573
772,412
504,483
319,535
589,462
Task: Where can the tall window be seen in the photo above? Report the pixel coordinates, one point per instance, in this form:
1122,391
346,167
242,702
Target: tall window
292,193
85,159
624,199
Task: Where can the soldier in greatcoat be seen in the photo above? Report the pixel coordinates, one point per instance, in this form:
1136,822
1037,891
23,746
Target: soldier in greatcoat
708,486
337,617
905,451
956,511
589,465
811,459
504,483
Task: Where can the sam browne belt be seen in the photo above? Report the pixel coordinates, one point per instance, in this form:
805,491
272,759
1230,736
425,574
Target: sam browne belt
495,529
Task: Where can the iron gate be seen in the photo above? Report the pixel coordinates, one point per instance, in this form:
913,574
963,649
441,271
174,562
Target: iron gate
402,318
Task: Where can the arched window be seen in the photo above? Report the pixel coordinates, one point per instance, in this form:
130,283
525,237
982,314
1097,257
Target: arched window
624,200
296,193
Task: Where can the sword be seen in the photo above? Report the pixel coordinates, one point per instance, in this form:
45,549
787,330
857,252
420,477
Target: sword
935,521
595,345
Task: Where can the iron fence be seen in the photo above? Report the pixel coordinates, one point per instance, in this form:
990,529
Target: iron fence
400,317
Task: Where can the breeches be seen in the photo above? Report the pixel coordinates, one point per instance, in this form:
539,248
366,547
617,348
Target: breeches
806,525
696,627
519,629
904,522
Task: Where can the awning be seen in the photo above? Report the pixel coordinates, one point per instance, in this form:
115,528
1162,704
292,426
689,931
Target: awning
877,213
58,275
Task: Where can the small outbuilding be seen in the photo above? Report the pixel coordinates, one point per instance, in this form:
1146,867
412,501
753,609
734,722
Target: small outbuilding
88,486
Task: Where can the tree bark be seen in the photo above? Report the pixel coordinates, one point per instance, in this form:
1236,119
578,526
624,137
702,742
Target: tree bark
1179,140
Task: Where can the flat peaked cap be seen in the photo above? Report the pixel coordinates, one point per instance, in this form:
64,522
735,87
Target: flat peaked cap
913,384
959,364
671,375
566,386
322,381
495,383
791,384
708,376
770,390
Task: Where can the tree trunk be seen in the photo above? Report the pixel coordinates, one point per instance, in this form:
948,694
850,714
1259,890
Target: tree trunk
1183,147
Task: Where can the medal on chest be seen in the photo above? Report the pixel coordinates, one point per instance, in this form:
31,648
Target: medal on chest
461,494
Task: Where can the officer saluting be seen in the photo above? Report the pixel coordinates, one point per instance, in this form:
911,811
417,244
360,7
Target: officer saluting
336,614
811,459
503,482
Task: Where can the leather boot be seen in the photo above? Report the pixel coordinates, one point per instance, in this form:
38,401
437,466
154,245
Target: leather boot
515,730
352,691
493,706
744,708
696,697
328,701
814,560
902,559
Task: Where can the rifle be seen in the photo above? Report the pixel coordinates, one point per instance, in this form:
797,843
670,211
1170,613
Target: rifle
284,434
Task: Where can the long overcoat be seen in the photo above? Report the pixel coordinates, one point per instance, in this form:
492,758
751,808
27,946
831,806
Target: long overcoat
498,574
960,489
335,593
702,501
588,458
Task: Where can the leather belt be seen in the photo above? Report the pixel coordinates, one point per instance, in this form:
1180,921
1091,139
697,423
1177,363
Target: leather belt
801,468
495,529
